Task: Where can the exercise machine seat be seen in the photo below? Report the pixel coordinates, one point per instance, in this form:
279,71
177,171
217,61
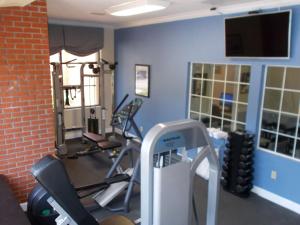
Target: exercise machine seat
11,212
116,220
108,145
94,137
51,174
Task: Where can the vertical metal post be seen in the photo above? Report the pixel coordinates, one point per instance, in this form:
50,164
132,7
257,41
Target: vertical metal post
102,94
83,122
58,99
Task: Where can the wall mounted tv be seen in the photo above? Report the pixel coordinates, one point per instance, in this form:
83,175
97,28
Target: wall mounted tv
259,35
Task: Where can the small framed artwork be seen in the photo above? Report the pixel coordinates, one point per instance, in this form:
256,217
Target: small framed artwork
142,80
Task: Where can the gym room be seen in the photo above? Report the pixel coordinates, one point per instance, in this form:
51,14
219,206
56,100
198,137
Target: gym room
149,112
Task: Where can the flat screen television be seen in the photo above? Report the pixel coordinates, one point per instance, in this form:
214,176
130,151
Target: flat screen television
258,35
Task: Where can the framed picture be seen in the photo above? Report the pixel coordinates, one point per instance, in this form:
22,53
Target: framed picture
142,80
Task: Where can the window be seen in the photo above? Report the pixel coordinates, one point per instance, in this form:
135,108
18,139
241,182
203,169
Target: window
279,119
219,95
71,80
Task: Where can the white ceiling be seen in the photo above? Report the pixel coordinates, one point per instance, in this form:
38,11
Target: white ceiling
94,10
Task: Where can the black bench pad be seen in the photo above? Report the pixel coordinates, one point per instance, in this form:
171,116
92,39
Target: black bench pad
94,137
107,145
11,212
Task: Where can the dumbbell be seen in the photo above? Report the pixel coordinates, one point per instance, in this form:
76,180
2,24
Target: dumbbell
224,182
244,180
226,158
228,145
243,172
245,158
243,188
246,150
225,167
227,151
249,136
247,144
245,165
224,174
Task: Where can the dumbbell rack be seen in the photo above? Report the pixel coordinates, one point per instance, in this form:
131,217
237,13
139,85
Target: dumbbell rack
238,164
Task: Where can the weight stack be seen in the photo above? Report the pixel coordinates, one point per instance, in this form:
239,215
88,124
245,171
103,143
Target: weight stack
237,173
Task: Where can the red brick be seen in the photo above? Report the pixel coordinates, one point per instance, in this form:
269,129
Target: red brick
26,117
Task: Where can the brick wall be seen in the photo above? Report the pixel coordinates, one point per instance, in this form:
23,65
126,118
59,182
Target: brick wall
26,118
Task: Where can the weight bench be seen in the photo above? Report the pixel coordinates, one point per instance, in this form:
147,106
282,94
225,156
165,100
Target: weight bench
100,142
11,212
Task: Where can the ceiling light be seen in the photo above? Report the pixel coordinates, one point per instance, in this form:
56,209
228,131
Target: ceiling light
11,3
137,7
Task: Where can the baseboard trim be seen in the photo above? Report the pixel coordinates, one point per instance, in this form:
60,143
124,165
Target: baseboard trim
286,203
24,206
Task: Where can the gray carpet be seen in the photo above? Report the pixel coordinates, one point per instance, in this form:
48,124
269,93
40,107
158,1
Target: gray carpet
232,210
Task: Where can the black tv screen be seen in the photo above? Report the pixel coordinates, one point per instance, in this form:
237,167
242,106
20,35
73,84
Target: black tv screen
259,35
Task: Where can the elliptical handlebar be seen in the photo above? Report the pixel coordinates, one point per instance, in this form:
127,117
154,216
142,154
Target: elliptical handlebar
125,129
120,104
124,118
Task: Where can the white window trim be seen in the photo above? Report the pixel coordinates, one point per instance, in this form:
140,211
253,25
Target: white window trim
282,89
190,94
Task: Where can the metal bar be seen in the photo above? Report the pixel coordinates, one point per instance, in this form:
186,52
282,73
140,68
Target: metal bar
102,95
82,98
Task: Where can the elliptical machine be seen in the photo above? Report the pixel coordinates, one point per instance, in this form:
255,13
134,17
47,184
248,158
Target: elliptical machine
116,181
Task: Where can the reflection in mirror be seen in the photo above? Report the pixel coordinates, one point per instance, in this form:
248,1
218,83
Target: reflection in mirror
267,140
205,120
245,74
216,123
194,116
207,88
272,99
195,104
243,93
220,72
292,80
285,145
297,152
275,77
229,110
288,124
227,126
232,73
240,127
208,71
290,102
231,91
218,89
196,87
197,70
269,121
241,113
217,108
206,105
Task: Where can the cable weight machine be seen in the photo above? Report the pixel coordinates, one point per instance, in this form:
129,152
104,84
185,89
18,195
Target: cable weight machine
100,69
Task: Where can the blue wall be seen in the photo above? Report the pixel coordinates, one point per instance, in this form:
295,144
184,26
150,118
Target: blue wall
168,48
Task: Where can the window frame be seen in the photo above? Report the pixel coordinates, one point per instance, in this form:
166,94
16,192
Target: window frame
60,57
237,101
282,89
